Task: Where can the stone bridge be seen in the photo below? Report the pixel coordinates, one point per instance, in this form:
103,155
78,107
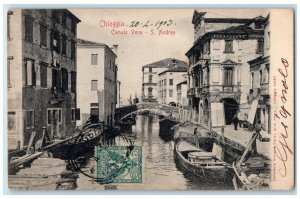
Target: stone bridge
152,108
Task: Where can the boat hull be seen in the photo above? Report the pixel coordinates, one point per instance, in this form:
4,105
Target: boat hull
219,174
78,146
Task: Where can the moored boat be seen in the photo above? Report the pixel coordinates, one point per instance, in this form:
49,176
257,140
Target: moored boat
251,179
80,143
201,163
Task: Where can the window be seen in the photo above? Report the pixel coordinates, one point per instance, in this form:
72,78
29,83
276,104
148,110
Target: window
267,73
260,77
73,49
228,46
30,118
11,121
56,41
48,117
228,76
94,59
44,76
64,76
73,26
150,92
170,93
150,70
43,35
59,116
170,82
55,82
73,114
8,24
9,59
73,81
260,46
29,74
64,45
150,78
29,29
94,85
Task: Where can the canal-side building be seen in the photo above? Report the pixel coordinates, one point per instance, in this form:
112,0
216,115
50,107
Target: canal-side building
150,77
181,89
97,81
41,79
219,73
259,93
167,82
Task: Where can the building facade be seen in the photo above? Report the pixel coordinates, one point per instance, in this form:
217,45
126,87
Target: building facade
219,73
41,79
150,77
167,82
97,81
181,89
259,94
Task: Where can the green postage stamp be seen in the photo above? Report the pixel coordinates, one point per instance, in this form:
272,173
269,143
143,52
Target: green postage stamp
119,164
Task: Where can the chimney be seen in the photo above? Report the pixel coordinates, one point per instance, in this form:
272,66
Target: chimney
115,50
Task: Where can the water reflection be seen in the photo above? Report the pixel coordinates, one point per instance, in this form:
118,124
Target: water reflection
160,169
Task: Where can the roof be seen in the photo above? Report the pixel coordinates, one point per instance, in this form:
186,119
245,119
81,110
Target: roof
83,42
201,13
166,63
87,43
71,14
183,82
243,31
226,20
175,68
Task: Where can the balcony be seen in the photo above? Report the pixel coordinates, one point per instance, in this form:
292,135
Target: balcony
198,91
191,92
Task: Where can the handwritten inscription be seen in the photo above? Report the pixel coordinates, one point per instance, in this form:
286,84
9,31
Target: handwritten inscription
282,150
138,28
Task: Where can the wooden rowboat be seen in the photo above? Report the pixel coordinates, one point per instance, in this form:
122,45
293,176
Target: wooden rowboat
201,163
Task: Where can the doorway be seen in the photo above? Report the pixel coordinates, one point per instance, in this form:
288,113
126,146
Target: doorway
231,107
54,118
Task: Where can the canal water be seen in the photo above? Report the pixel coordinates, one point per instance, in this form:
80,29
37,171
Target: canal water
160,169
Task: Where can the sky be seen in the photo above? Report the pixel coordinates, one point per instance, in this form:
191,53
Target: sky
134,51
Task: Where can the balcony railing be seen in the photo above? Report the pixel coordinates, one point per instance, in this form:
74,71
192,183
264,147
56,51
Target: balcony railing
191,91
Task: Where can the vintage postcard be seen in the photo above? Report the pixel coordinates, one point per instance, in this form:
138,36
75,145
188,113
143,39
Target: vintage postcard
150,99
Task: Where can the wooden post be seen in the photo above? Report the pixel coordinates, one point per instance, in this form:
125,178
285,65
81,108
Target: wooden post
224,144
30,142
253,139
